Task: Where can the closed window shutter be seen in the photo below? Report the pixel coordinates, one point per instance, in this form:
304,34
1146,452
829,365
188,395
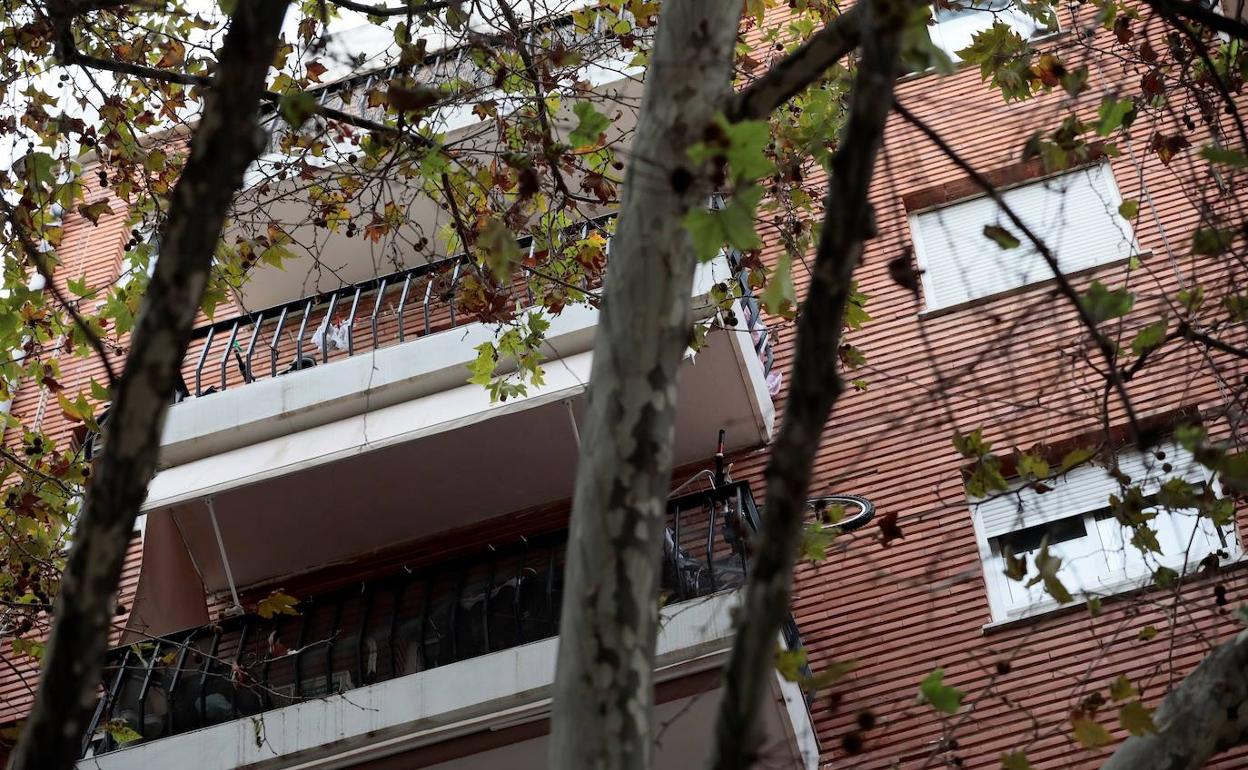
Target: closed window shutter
1075,214
1084,489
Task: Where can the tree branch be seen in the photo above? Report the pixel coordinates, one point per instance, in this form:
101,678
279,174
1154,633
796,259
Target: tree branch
226,142
815,386
1201,14
604,686
400,10
73,56
1206,714
798,70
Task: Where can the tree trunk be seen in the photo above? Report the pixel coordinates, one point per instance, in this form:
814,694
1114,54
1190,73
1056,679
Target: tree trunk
1207,713
604,684
814,388
226,142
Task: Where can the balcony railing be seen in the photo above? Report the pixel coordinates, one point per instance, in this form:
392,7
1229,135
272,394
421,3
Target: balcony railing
366,316
503,596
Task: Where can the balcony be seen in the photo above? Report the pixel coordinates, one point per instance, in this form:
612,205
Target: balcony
379,428
447,658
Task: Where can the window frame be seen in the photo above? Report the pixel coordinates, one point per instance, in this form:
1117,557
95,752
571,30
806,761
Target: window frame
1004,608
1040,33
933,304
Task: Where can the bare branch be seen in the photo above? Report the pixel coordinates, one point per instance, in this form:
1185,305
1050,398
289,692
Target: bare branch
398,10
1106,348
1201,14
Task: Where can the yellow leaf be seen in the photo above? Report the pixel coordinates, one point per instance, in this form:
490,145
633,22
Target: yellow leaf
277,603
1137,719
1090,734
1122,689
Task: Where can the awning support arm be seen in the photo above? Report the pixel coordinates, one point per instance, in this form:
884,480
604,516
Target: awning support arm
225,562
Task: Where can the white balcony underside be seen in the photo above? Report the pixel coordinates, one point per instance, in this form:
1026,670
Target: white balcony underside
473,714
387,447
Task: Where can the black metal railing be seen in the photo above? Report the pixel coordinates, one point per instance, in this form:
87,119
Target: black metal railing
372,314
500,597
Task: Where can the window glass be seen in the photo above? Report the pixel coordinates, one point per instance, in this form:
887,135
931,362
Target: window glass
1097,552
1074,214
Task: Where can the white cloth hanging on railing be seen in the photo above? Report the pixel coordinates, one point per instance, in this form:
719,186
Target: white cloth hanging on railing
336,335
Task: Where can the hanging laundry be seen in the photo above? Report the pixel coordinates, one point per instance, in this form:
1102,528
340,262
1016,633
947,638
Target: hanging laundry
336,335
774,381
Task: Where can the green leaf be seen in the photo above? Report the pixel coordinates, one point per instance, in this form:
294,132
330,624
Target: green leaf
747,144
939,695
1112,114
1165,577
296,107
590,125
1129,209
79,287
704,230
1148,338
1102,303
499,251
733,224
1122,689
1089,733
972,444
1000,236
789,663
737,218
1192,298
1224,156
833,672
1047,567
816,539
1015,760
855,309
779,295
481,370
1212,241
1137,719
1147,633
1033,465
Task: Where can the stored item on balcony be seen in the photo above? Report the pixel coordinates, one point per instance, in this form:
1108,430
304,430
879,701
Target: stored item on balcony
856,511
335,336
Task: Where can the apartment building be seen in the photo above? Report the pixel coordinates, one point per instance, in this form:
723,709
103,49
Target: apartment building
327,450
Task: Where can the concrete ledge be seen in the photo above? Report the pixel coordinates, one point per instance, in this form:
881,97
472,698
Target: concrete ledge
418,709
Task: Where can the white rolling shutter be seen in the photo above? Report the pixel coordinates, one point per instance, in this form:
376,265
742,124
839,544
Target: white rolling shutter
1075,214
1084,489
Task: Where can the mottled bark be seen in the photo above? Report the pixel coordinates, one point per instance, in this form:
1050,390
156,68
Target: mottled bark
604,684
815,385
1207,713
225,143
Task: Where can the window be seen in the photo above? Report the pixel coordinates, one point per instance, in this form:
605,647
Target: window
1075,214
957,21
1097,555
